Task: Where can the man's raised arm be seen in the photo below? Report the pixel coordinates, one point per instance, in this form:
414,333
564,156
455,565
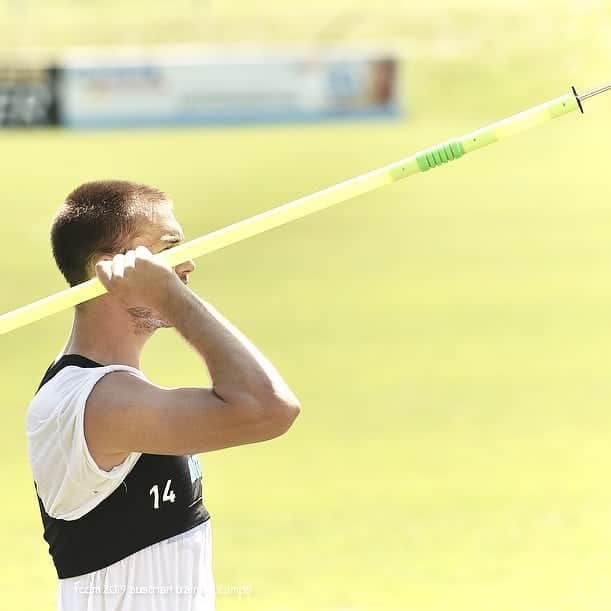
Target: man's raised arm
248,402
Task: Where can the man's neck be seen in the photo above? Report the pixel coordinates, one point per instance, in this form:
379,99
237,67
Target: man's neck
108,338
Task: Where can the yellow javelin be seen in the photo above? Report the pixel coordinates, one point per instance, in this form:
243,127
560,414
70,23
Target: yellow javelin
414,164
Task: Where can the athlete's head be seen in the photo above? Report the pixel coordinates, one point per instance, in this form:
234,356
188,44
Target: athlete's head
103,218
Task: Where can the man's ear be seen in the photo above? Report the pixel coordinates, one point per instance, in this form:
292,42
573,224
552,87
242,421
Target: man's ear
94,260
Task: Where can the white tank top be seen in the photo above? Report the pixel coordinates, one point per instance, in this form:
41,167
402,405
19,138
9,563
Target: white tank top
169,575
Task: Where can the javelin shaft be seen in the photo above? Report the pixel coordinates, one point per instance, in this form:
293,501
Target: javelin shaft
414,164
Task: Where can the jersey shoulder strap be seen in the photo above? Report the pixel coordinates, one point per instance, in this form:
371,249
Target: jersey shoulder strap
66,361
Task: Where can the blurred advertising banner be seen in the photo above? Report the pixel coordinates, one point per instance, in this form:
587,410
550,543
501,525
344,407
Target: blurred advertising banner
100,89
27,96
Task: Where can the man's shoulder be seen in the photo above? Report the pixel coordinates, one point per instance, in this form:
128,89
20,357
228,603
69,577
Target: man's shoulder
69,385
53,393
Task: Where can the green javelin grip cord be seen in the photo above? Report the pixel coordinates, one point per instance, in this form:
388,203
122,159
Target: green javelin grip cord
419,162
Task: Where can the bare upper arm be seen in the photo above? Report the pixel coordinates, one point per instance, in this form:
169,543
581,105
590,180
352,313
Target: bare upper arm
125,413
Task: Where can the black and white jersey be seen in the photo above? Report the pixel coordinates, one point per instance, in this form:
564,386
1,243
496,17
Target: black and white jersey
134,537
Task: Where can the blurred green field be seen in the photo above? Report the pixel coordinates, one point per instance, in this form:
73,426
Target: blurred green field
448,336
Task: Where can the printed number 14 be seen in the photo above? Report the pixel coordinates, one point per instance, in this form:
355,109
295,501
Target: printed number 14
168,495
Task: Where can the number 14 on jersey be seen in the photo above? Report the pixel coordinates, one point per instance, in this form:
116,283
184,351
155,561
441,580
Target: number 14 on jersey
168,494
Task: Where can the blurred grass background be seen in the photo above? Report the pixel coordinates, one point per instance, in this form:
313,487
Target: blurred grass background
447,336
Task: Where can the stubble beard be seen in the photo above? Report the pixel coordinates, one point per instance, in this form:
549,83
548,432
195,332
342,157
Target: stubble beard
147,320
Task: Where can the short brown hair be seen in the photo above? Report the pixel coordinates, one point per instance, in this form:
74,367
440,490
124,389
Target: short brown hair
98,217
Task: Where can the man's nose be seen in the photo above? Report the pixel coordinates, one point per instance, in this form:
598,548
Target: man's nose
185,268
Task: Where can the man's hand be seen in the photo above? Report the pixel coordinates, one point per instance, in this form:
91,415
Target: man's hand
139,279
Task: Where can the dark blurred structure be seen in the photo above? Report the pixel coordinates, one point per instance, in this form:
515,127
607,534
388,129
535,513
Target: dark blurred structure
28,95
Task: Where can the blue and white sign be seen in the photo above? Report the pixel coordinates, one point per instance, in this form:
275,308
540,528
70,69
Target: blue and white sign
224,87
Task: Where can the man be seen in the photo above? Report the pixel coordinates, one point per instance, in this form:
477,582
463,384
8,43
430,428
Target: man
112,454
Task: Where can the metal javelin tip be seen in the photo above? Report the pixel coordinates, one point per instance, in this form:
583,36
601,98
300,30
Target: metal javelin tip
594,92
